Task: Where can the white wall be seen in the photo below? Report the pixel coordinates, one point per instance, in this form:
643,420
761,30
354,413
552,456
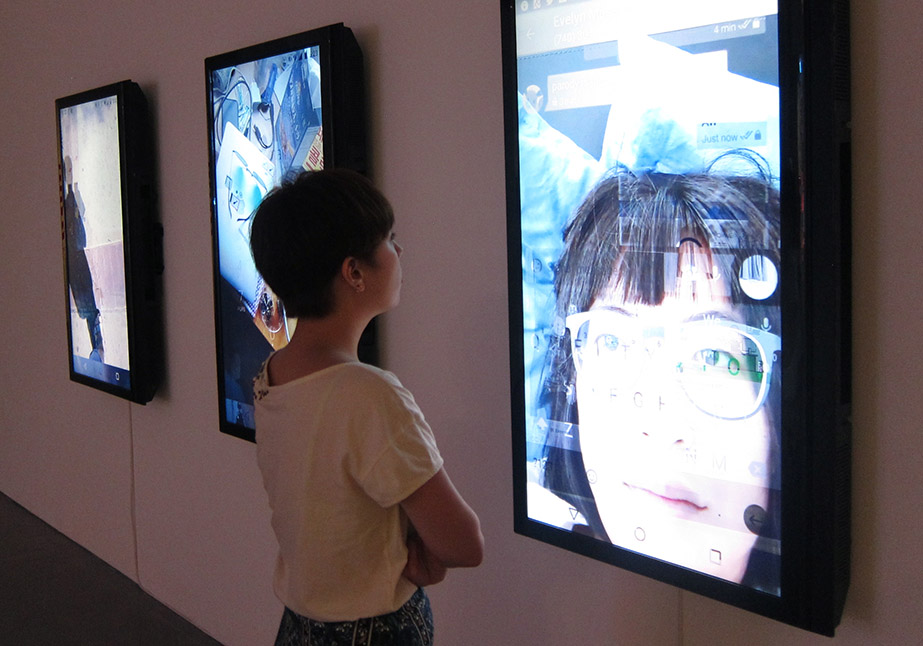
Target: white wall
160,494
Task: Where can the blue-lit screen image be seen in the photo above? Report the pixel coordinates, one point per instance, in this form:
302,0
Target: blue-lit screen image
266,121
649,164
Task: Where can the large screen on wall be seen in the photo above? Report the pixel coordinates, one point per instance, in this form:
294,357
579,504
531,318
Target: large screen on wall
111,241
678,235
288,105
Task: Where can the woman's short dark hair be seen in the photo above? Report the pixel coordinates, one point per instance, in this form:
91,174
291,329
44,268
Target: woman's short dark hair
304,229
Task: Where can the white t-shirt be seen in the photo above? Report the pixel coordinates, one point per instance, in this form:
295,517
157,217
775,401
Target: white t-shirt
338,450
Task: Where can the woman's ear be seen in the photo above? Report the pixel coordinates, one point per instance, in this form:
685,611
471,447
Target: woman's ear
352,274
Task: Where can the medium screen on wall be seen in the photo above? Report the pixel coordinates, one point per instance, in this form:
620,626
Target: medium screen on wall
648,166
266,121
276,108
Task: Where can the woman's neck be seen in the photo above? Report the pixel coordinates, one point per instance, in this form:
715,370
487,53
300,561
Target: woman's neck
316,344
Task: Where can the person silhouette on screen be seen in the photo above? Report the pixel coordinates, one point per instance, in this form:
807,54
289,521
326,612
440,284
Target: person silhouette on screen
79,278
664,367
362,508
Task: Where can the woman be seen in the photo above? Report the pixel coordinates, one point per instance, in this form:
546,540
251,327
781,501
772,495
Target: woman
664,369
363,510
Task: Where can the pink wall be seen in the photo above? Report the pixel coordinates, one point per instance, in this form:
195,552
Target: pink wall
159,493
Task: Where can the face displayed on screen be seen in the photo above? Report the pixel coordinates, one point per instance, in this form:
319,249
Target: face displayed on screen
673,432
649,182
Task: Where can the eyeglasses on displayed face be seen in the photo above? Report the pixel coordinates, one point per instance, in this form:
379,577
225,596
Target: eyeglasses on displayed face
724,367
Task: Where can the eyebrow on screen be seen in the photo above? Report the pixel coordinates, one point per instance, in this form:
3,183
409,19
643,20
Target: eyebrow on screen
709,316
617,310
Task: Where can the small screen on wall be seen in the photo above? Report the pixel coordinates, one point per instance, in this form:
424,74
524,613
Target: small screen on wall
92,196
112,242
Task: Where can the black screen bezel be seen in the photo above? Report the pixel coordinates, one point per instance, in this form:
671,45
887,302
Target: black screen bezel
814,115
142,238
344,126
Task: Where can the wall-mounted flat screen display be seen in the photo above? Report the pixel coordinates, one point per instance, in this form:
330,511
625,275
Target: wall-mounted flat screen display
288,105
111,242
655,199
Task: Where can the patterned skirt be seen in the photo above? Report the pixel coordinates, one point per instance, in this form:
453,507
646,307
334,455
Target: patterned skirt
409,625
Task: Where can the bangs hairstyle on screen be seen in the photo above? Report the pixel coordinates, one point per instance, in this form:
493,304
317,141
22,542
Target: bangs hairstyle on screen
629,221
305,228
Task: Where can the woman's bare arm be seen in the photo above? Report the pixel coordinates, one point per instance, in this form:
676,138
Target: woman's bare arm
448,528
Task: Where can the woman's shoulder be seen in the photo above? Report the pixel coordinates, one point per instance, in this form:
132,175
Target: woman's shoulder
364,384
350,375
365,375
377,388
